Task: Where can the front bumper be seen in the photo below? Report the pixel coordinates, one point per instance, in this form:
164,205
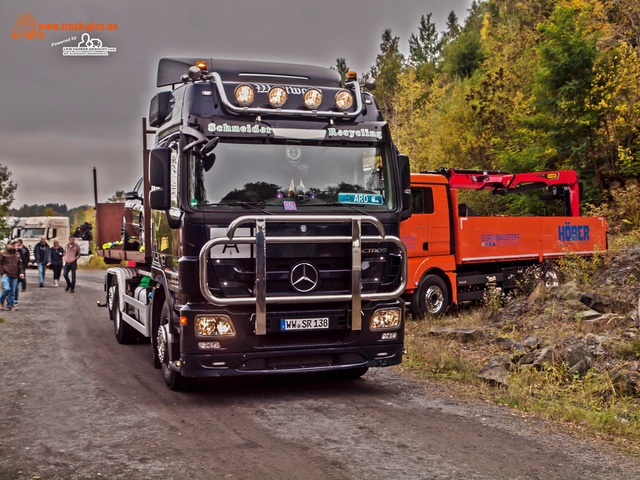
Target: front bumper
276,352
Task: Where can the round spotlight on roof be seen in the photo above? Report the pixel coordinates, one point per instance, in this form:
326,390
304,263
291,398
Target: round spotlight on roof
344,100
277,97
313,98
245,95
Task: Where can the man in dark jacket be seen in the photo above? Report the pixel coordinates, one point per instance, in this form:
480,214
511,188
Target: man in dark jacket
42,254
12,271
24,256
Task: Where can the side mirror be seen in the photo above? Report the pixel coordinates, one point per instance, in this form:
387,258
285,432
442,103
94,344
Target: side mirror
160,177
159,108
405,176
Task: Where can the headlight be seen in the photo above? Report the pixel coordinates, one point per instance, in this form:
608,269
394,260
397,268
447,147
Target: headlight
277,97
386,319
344,100
313,98
214,326
245,95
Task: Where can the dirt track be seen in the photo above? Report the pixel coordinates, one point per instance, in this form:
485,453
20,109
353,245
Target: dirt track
74,404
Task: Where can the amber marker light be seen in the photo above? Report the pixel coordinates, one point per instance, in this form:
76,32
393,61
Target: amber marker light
351,75
277,97
202,65
245,95
183,320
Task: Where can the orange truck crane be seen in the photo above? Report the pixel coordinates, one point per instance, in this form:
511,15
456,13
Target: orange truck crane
454,254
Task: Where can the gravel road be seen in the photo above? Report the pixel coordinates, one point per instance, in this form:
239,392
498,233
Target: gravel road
74,404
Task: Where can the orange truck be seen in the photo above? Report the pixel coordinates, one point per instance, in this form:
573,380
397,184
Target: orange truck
453,254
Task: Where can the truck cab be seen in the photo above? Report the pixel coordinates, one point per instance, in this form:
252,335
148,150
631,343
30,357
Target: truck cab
274,195
49,227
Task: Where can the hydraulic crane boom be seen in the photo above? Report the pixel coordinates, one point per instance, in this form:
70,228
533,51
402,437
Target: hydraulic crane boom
561,183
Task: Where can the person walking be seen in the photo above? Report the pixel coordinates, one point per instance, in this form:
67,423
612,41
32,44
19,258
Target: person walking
42,254
24,256
12,271
57,254
71,256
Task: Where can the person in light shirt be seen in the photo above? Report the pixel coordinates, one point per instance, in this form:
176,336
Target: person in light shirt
71,256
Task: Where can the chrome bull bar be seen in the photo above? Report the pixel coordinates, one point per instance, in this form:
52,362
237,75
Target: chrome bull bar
260,240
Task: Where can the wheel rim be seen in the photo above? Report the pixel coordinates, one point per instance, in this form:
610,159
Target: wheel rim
161,347
551,279
434,299
111,297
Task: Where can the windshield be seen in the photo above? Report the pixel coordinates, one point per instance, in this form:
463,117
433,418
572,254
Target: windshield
293,176
33,232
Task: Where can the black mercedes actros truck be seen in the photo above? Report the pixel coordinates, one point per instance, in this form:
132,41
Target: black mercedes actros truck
269,228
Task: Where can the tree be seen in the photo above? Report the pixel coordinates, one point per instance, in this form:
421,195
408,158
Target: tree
7,190
561,90
464,55
389,64
342,68
118,197
452,31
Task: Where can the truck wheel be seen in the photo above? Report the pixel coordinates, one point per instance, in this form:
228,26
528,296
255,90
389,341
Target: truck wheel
551,277
111,296
173,379
124,332
431,298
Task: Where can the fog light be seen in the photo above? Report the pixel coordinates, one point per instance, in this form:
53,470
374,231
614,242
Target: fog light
389,335
208,345
277,97
386,319
214,326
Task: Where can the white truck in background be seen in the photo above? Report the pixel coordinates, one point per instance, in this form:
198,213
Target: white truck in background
49,227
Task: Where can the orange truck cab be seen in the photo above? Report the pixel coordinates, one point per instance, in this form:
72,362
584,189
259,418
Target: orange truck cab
453,254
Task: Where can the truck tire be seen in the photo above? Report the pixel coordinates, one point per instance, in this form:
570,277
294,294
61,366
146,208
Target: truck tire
431,299
111,296
173,379
123,332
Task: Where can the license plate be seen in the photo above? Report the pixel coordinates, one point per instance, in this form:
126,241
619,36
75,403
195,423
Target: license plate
304,324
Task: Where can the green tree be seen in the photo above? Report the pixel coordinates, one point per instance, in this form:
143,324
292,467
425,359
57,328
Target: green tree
425,48
389,64
7,190
561,90
342,68
118,197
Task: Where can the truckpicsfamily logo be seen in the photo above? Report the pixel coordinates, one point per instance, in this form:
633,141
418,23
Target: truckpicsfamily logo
27,27
500,239
573,233
88,47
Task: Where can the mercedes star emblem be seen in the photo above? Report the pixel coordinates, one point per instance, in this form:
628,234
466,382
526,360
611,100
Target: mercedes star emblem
304,277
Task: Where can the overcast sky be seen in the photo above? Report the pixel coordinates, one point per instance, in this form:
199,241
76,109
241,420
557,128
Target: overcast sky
60,116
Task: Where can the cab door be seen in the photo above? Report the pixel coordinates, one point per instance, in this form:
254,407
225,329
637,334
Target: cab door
427,232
